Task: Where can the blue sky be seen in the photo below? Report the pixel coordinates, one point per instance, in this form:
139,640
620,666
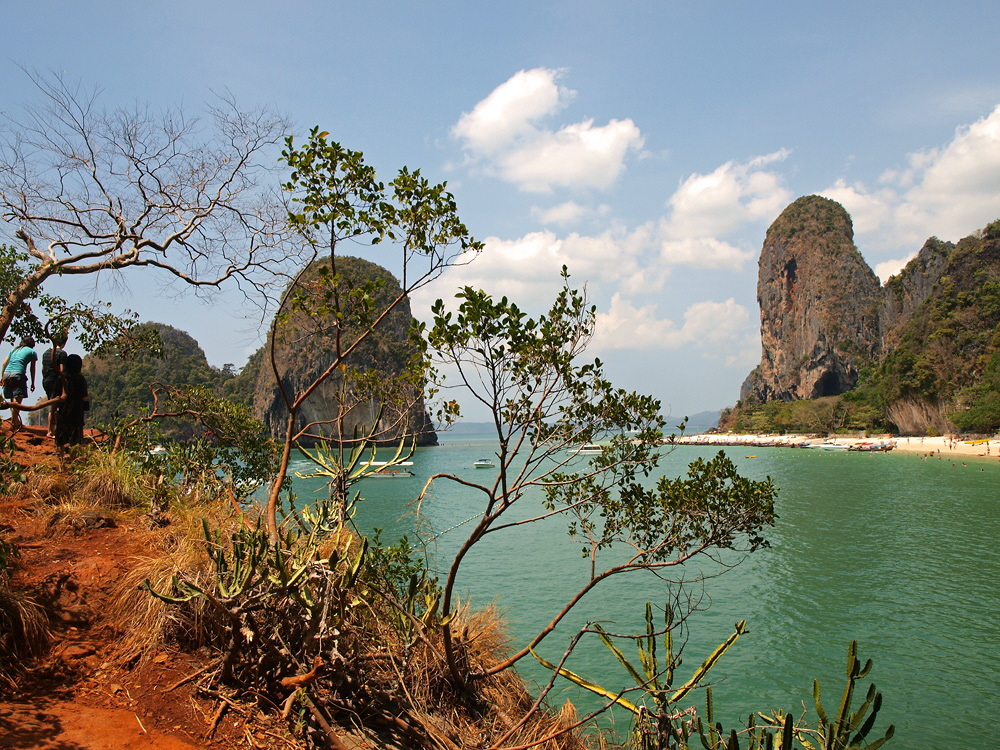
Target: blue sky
646,145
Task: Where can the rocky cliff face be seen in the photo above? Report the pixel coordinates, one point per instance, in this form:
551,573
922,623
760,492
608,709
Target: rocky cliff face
929,334
819,305
905,292
372,389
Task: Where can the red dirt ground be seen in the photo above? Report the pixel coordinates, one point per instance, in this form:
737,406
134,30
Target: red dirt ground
72,698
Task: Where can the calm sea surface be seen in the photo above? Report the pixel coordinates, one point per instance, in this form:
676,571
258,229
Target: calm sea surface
900,553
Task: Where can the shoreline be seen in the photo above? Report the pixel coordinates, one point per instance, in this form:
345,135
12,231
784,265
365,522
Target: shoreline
942,445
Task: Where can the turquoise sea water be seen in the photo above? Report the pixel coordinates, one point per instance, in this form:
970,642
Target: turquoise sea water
900,553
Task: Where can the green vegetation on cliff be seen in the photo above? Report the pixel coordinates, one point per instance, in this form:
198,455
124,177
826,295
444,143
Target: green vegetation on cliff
121,388
849,412
945,346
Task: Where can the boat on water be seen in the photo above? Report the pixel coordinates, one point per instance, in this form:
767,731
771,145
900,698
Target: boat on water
826,445
872,447
385,470
158,451
484,463
588,448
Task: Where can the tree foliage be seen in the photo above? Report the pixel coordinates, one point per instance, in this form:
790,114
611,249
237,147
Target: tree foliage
980,404
854,411
545,401
336,198
122,384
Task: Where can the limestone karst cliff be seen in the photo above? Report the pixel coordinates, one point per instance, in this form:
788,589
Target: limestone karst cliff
923,340
819,305
371,390
906,291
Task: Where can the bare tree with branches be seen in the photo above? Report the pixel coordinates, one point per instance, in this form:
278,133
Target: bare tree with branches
85,189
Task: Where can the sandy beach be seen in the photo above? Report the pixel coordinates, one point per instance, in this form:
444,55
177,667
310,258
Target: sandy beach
939,446
946,446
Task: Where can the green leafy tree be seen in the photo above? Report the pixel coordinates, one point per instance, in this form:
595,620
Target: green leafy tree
121,379
228,444
545,402
981,403
336,199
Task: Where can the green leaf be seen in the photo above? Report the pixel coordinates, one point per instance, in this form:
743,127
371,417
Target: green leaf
707,665
592,687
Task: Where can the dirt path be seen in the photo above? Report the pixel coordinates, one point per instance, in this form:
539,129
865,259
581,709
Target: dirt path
60,724
72,698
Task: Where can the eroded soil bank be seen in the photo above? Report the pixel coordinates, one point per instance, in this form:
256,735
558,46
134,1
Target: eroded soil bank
73,696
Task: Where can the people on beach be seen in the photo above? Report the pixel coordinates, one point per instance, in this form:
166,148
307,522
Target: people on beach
15,371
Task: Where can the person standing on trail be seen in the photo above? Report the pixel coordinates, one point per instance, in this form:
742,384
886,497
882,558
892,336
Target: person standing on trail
15,377
70,405
52,378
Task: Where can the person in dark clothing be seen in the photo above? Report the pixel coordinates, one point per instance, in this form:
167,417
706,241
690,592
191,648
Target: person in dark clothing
70,405
52,363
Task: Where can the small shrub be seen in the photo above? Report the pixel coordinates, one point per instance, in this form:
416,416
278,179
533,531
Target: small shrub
113,480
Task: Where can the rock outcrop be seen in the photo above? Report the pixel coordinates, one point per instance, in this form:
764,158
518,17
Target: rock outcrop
370,393
819,305
905,292
927,336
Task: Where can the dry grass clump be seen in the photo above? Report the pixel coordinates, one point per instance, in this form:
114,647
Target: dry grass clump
113,481
42,485
148,624
76,515
24,632
513,716
424,697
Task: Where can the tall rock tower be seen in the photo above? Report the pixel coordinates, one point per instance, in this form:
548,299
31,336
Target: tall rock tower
379,396
819,305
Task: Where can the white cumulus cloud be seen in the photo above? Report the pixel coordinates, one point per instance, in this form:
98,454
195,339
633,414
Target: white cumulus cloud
564,213
509,111
527,269
868,210
704,252
708,325
947,192
707,207
959,190
577,156
504,131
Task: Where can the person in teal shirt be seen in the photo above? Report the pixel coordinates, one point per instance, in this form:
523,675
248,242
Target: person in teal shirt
15,369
